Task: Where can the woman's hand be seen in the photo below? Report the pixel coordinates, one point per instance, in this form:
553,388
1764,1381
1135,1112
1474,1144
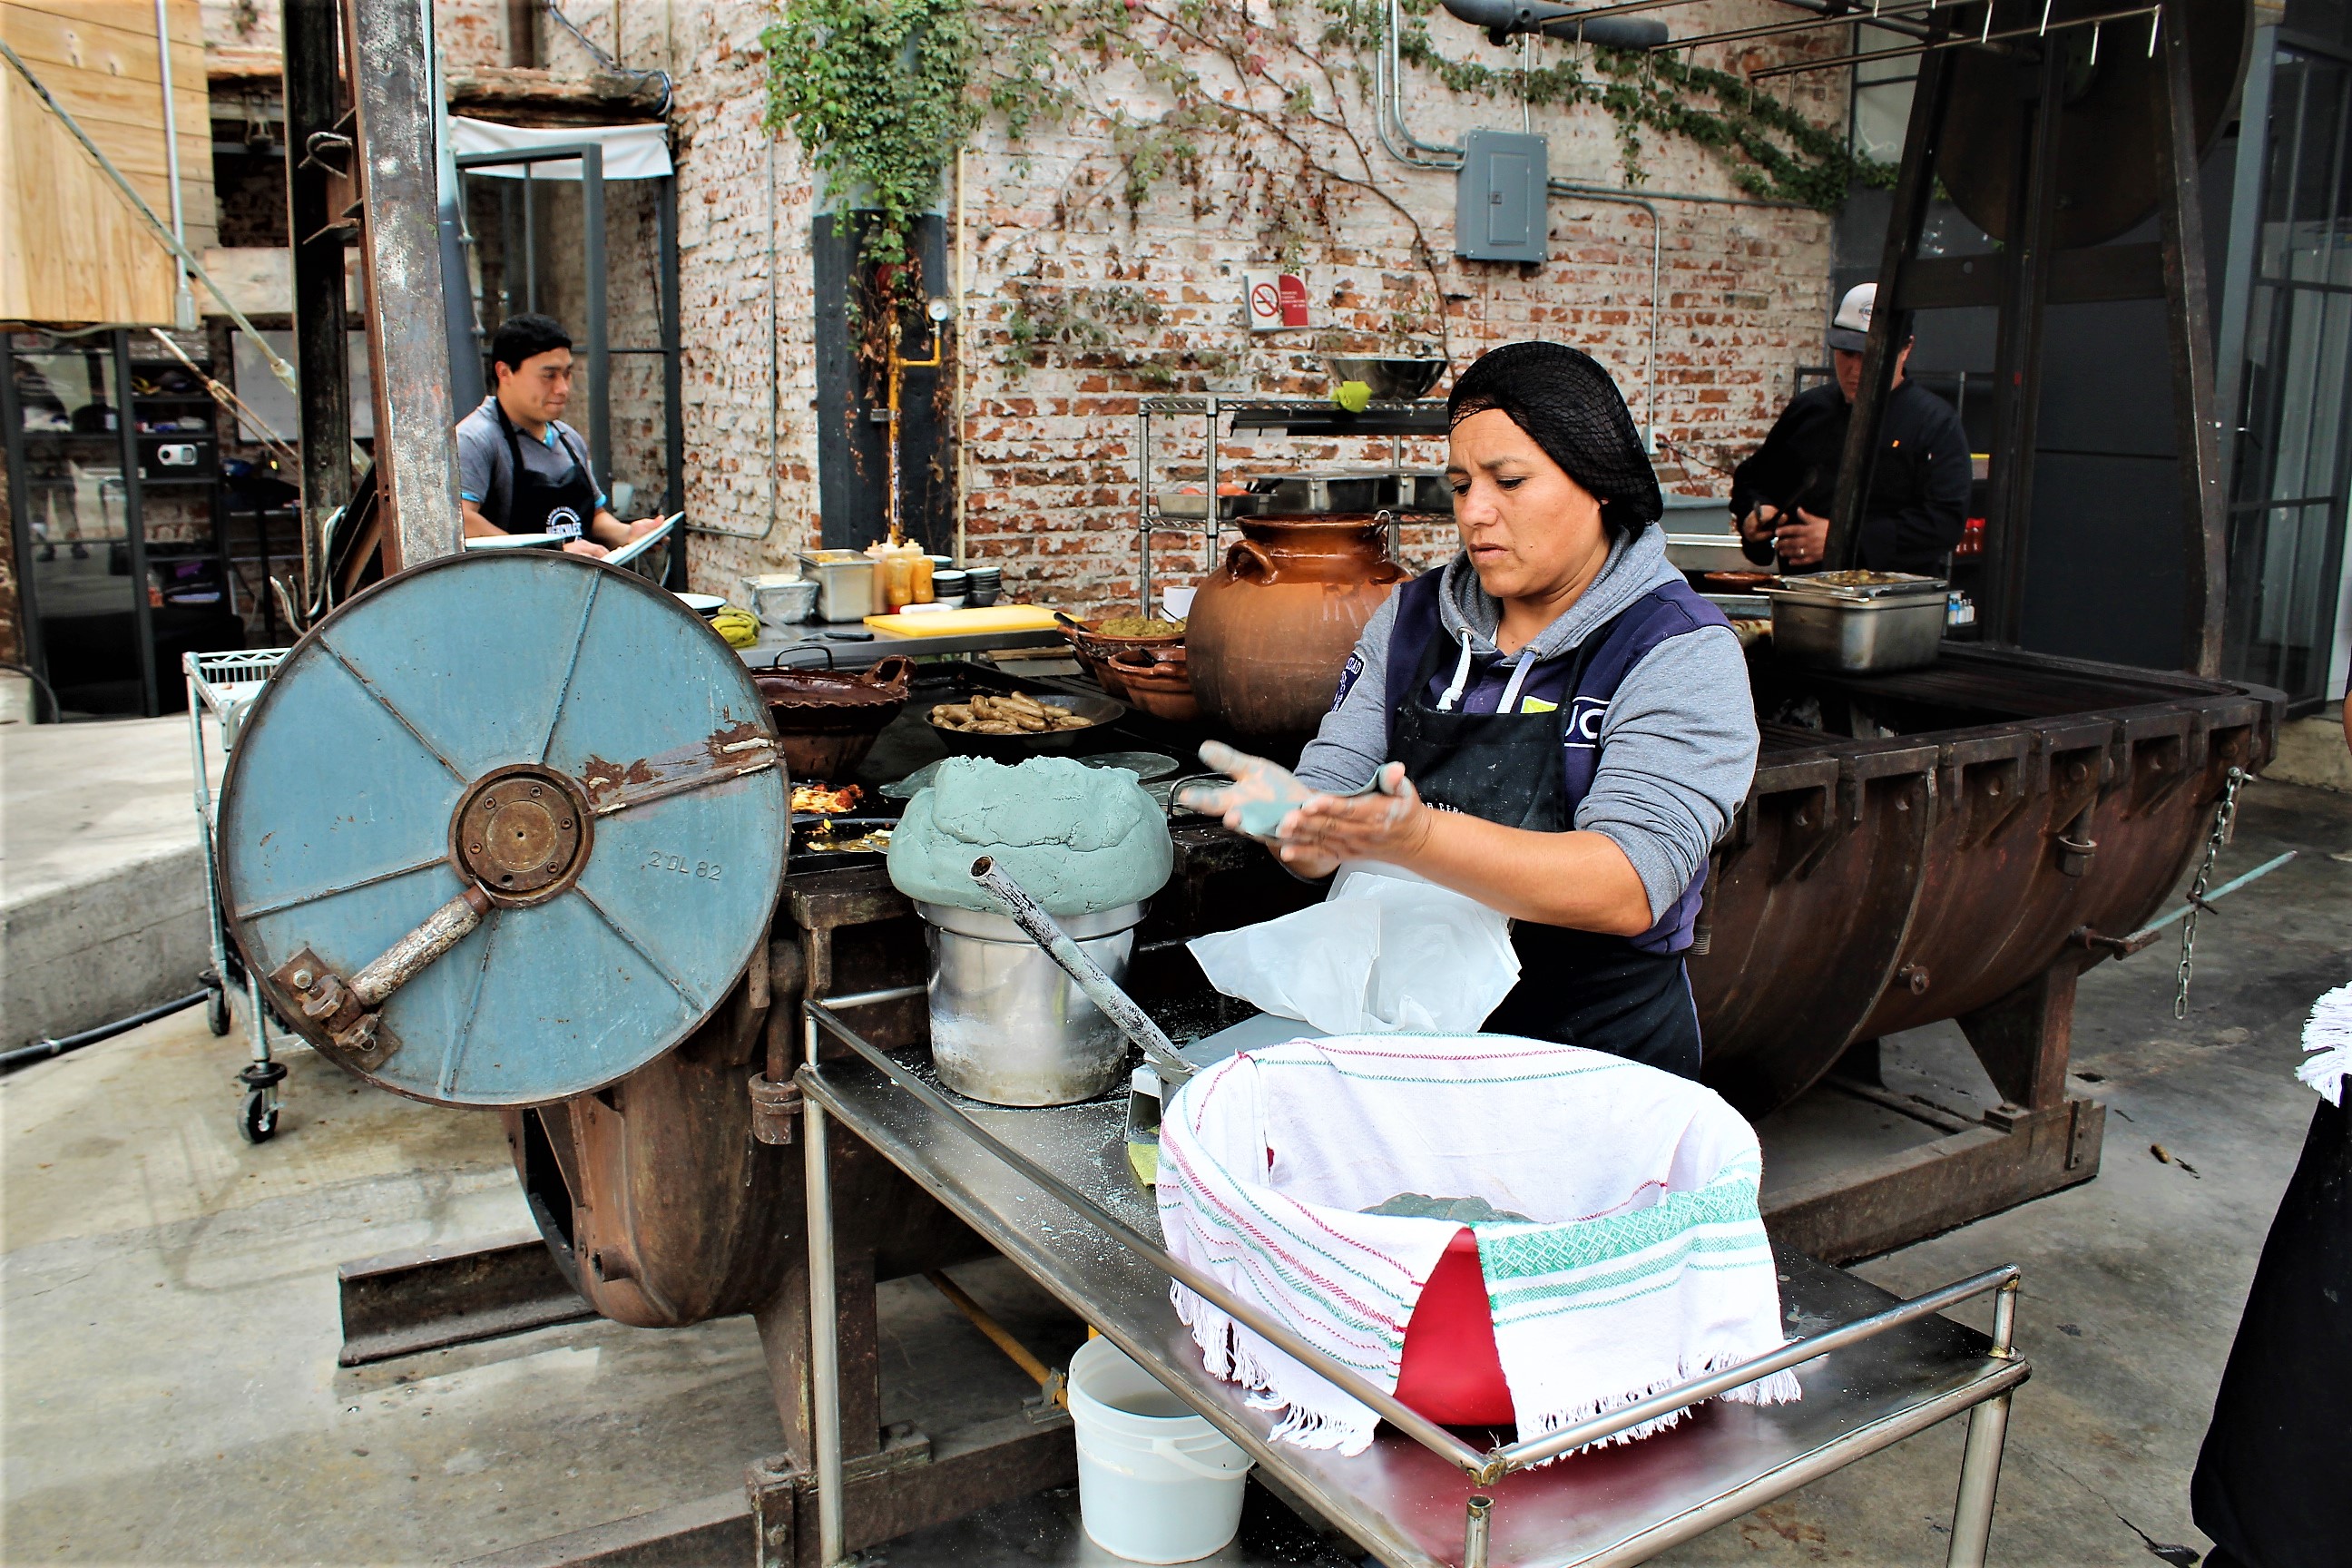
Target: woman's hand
1389,823
1259,800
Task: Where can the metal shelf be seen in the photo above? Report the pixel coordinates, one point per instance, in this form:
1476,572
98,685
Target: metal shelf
1391,419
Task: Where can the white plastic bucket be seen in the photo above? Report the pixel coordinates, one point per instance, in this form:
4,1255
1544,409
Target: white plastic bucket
1156,1483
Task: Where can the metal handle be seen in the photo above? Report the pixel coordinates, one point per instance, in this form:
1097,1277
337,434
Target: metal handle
346,1009
1118,1006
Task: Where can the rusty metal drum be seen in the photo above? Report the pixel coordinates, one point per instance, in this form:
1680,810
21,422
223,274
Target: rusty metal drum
503,829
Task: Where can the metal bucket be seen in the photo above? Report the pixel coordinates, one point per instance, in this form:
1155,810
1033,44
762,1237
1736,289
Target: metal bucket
1007,1026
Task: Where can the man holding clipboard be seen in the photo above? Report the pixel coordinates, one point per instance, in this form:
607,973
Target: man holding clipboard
521,469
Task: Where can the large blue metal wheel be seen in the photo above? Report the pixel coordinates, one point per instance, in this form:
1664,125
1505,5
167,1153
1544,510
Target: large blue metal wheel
562,738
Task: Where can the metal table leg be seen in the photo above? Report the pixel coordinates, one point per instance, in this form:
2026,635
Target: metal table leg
1980,1460
824,1330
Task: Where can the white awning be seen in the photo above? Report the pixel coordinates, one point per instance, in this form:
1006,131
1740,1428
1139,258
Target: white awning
630,152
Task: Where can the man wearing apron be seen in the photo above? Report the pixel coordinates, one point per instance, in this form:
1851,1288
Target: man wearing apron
521,469
1557,726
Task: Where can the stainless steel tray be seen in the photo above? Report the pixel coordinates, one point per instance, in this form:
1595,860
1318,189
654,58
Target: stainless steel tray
1833,630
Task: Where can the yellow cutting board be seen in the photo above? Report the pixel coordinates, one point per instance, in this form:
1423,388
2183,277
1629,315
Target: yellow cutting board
966,623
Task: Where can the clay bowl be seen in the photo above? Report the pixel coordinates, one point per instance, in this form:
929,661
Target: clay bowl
1102,710
827,719
1095,649
1159,682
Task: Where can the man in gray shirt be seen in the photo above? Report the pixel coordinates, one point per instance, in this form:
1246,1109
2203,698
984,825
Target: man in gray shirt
521,469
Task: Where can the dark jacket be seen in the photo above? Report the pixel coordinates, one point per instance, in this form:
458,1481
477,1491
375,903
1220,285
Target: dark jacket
1920,496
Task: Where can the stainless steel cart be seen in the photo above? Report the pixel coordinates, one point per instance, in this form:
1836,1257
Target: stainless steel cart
222,687
1050,1190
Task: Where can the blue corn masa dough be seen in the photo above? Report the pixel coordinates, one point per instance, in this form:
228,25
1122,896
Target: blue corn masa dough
1079,839
1262,818
1462,1210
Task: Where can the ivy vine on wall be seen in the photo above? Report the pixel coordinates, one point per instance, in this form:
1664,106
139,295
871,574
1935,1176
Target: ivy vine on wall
1257,116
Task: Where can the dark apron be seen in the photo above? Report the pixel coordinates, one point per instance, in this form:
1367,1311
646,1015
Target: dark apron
563,506
2273,1481
1576,987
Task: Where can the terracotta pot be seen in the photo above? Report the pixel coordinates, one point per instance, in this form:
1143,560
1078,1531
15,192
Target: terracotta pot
1159,682
828,719
1272,626
1095,649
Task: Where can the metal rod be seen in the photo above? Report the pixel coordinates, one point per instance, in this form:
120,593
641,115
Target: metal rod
872,998
1473,1532
997,1334
1773,29
825,1326
1910,50
2231,886
1415,1424
184,304
1535,1450
1981,1459
1118,1006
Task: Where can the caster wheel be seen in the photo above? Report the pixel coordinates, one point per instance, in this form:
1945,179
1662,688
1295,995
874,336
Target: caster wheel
216,1012
259,1121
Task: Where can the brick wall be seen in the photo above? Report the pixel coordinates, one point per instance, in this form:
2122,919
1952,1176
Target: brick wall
1049,446
1049,438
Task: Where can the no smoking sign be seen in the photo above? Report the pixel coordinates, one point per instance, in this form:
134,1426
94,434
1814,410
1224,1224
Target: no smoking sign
1274,301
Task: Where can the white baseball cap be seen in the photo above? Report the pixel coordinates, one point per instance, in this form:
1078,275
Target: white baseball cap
1850,328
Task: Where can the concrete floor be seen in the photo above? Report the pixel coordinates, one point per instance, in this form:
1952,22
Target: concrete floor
168,1322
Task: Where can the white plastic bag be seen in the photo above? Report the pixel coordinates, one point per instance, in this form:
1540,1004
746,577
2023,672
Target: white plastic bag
1386,951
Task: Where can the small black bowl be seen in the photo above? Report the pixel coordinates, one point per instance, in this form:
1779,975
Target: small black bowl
1103,711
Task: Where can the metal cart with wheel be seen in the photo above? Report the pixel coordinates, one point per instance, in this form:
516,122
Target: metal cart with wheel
223,686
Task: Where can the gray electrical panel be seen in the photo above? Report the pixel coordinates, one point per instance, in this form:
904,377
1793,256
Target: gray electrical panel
1499,198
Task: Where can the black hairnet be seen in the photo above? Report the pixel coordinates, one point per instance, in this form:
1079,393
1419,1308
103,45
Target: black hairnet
1569,406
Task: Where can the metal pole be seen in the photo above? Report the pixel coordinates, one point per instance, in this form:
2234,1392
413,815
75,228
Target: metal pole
824,1327
1473,1532
1980,1460
1914,189
321,342
416,440
673,379
600,357
184,301
2188,321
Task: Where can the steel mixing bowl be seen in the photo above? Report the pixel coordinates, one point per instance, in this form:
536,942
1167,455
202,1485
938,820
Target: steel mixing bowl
1398,378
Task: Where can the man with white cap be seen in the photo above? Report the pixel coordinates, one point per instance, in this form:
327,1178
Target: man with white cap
1918,505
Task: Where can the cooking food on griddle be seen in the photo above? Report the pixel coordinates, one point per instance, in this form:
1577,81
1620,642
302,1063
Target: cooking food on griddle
1015,714
825,800
821,839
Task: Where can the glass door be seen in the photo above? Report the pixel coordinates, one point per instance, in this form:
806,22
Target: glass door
76,507
2287,345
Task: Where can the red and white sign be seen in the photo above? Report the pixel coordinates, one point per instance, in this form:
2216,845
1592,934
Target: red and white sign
1275,300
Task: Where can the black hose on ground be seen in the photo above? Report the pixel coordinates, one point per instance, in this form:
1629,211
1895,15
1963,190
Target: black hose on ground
41,1051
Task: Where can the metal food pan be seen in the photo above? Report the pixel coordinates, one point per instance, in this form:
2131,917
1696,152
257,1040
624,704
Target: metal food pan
844,583
1819,632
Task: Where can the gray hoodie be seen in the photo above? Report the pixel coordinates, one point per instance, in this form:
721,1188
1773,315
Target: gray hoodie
1677,744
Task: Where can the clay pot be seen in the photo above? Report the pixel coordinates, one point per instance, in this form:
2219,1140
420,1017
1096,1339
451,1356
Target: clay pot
1095,650
1157,681
1272,626
828,719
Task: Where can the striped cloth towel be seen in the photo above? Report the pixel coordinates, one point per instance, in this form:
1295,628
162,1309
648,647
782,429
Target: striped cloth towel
1644,1263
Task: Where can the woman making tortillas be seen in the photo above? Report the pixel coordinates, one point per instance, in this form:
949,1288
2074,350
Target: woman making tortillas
1553,723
